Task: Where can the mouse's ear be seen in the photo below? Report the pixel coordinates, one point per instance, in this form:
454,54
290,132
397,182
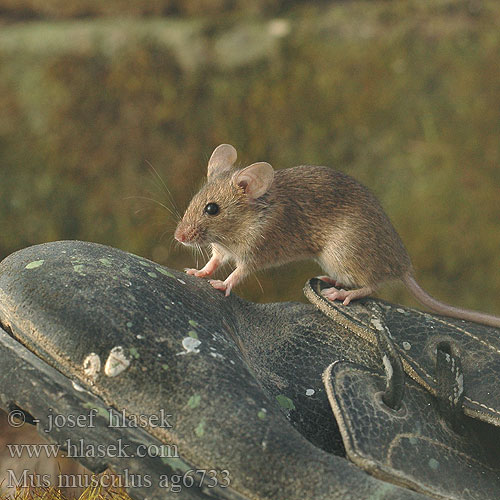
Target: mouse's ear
222,159
255,179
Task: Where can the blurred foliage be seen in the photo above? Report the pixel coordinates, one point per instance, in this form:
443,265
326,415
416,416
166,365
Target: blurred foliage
404,96
61,9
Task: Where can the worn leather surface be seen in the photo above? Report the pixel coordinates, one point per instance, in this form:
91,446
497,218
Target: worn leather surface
242,381
416,335
414,445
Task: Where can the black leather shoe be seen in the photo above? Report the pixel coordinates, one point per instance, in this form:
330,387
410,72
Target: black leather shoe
185,392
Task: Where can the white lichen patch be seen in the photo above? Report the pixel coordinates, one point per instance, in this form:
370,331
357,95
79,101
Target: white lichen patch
216,355
92,365
117,362
460,386
190,345
387,366
77,387
377,324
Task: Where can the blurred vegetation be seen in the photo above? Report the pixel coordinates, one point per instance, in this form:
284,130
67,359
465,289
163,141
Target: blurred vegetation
404,96
62,9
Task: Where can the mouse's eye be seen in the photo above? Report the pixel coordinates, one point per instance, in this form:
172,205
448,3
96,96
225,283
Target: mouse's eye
212,209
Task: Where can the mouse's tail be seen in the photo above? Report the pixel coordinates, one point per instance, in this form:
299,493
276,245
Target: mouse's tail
441,308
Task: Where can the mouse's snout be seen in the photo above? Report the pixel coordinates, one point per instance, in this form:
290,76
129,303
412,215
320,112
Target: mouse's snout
179,236
186,234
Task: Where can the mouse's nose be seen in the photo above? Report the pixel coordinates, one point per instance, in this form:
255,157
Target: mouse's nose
185,234
180,236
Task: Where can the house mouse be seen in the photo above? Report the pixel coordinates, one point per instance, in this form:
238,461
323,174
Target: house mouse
256,217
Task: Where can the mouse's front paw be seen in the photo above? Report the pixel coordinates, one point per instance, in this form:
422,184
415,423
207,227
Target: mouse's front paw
231,281
200,273
218,285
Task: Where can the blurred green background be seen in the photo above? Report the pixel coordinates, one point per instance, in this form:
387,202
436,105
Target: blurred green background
403,95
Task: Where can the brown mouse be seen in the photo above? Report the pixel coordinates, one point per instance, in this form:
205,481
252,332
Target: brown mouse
257,218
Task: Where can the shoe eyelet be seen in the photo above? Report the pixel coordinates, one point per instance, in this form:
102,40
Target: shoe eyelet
379,399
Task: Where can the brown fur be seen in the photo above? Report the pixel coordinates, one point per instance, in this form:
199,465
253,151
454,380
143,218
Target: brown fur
308,213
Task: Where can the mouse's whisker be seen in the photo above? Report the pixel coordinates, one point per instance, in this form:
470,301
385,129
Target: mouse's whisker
260,284
223,237
199,253
205,253
167,190
224,247
154,201
164,234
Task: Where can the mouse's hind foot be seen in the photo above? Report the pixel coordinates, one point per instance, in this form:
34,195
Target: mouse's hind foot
345,295
331,281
